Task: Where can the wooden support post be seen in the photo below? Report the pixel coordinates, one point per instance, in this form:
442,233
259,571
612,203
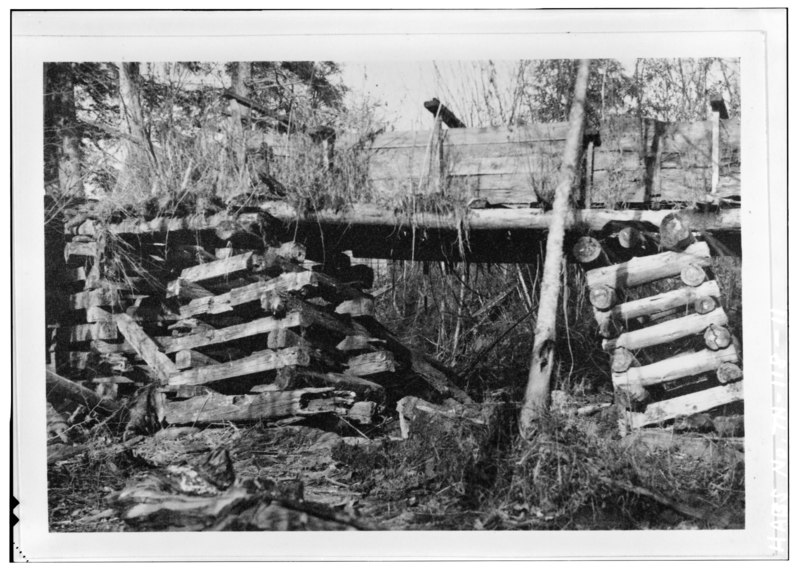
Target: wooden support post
537,392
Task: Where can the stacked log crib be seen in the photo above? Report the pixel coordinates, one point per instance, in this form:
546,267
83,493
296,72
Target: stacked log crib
231,334
671,353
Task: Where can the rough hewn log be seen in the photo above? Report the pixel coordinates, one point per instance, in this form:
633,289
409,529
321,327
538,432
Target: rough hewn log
261,361
364,215
64,388
371,363
668,331
218,268
435,374
643,270
675,299
676,367
145,347
685,405
185,359
728,372
105,330
253,407
300,282
357,307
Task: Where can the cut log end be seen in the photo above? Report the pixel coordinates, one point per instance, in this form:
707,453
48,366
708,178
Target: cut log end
629,237
704,305
602,297
622,360
729,372
587,250
717,337
675,233
693,275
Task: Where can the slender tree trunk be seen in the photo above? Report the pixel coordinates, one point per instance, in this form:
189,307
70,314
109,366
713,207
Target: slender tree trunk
63,154
240,80
138,152
537,393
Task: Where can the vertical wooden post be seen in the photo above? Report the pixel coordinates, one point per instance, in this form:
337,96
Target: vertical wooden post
537,392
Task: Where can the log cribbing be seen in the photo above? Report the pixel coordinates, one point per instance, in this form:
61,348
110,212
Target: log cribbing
676,367
685,405
257,362
639,271
145,347
668,331
702,296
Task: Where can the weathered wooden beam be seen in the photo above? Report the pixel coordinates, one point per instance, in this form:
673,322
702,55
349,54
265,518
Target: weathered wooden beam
676,367
219,268
371,363
228,334
668,331
104,330
435,374
185,359
299,282
254,407
145,347
97,297
685,405
262,361
367,216
60,387
643,270
361,306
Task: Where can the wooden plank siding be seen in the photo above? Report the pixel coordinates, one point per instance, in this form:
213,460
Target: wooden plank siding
635,162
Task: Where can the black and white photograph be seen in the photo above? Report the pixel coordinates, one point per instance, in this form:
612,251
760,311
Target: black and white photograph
400,290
